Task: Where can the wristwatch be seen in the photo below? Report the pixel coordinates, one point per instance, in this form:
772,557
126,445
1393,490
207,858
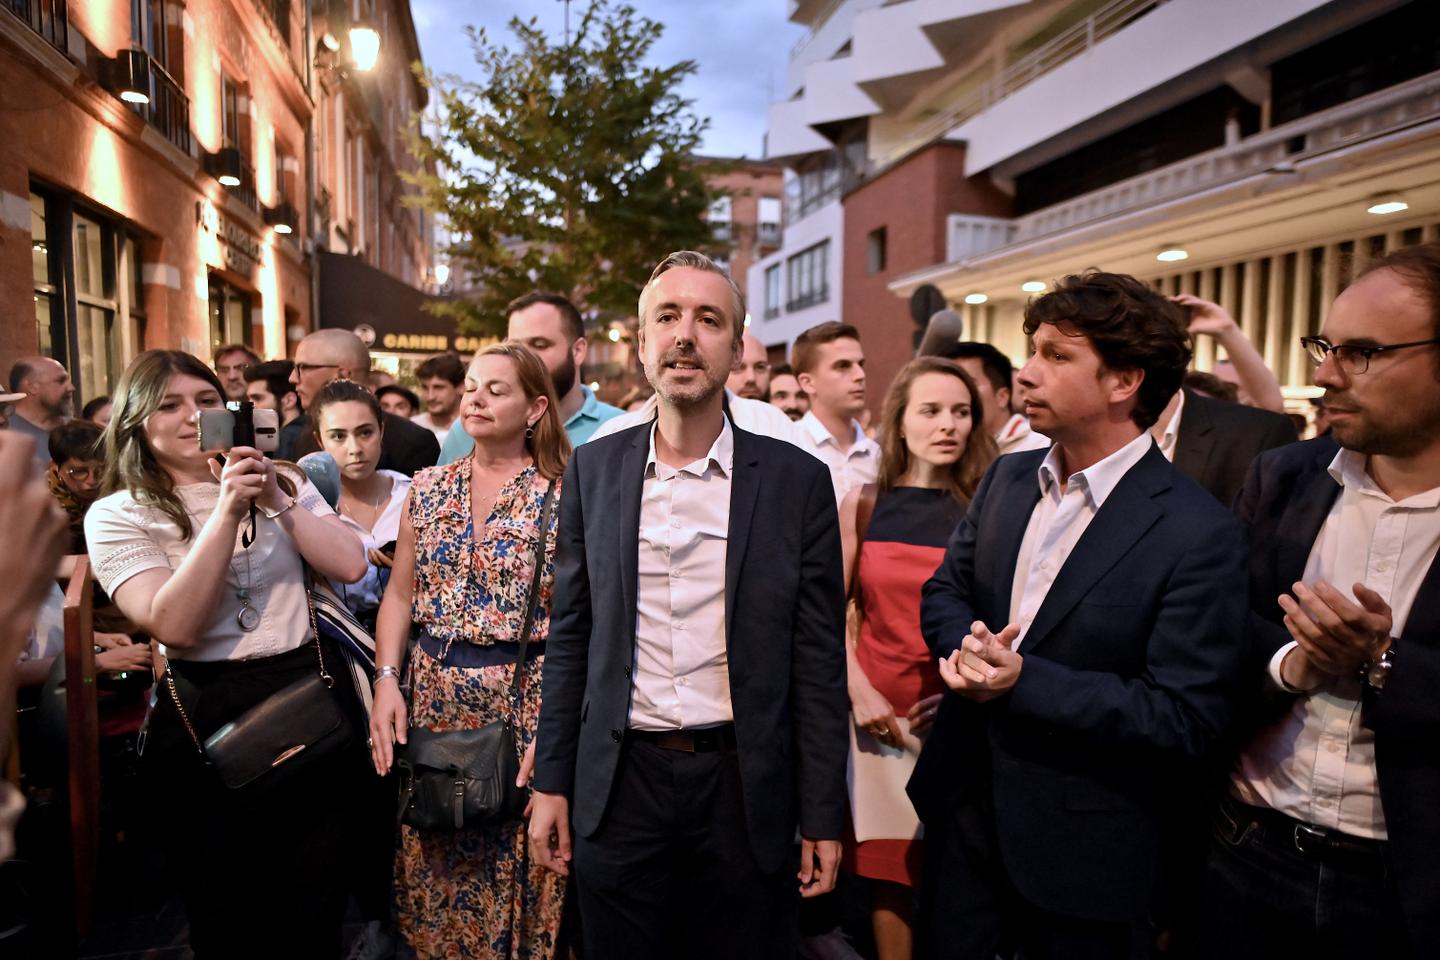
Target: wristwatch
1376,672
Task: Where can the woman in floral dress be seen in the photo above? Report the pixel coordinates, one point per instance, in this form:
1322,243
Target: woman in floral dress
464,562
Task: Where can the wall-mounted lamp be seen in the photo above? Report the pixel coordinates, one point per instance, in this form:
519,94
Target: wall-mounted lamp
225,165
127,75
282,217
364,42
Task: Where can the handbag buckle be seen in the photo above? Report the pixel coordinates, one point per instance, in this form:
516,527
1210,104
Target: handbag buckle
287,755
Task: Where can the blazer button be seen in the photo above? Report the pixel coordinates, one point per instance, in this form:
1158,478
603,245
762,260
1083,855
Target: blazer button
627,672
615,735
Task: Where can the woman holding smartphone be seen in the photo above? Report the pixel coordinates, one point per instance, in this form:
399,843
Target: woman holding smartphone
349,427
222,588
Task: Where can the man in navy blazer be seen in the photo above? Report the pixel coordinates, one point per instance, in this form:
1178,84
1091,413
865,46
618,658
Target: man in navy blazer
1327,842
1088,618
694,710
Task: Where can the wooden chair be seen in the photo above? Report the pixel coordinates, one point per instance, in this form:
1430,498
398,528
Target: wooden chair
83,742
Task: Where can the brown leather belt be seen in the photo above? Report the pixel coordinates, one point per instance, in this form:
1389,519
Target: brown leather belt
702,740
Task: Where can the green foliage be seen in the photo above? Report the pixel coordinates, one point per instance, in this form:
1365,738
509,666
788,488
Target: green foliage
564,167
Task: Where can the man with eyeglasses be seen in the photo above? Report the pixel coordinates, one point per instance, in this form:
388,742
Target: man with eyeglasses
1328,842
334,354
231,361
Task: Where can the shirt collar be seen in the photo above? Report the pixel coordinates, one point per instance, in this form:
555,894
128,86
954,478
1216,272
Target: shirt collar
1016,427
1172,429
821,434
1099,479
1349,469
721,455
590,408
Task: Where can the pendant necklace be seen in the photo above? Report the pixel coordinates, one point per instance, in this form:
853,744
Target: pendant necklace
247,616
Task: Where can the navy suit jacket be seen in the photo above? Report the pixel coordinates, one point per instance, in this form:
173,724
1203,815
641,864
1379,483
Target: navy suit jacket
1129,674
1218,441
1283,505
784,626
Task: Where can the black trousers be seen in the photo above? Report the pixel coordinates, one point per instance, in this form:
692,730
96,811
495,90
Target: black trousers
261,874
1267,897
670,872
970,911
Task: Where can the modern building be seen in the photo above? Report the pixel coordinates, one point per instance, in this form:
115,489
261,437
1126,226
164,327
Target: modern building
160,162
745,215
1255,154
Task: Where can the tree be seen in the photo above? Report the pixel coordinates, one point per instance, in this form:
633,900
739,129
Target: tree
568,167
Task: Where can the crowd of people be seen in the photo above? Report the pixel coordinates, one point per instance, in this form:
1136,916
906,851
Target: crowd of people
1092,658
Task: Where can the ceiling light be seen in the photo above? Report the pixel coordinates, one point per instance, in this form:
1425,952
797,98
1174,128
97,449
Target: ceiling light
1171,254
975,298
1033,286
1386,203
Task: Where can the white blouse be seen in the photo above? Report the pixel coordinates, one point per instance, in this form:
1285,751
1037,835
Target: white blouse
364,596
126,538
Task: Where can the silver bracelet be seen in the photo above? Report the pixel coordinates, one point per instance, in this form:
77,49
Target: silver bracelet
386,673
273,514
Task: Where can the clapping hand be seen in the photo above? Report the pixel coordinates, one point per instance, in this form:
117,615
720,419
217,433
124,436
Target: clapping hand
984,667
1336,635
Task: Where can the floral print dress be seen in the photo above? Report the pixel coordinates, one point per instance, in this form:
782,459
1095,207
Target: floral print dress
475,893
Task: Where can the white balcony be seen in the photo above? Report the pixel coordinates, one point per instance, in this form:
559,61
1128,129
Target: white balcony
899,46
787,134
968,236
822,42
831,94
1079,80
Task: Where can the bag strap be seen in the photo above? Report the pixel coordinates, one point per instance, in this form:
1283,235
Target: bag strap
516,692
864,510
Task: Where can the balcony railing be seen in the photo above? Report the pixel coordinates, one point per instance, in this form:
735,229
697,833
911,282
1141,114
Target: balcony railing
49,18
1274,151
169,109
245,192
807,299
1055,52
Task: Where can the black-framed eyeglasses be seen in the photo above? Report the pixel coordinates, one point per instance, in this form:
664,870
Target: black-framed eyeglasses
304,368
1353,358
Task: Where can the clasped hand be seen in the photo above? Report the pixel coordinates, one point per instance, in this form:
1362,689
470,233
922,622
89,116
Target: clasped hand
1335,635
985,666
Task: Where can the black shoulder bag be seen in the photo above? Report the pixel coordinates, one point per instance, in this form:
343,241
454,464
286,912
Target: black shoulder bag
453,779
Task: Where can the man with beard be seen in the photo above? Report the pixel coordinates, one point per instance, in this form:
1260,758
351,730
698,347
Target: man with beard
549,325
694,709
751,379
1325,844
785,393
47,402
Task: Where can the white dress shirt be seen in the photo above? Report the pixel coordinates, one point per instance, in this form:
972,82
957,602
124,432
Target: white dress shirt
1317,763
848,468
1017,436
1057,523
752,416
365,596
1171,436
428,422
682,676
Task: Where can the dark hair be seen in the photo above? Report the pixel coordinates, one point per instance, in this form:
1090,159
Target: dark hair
1418,266
236,348
76,440
962,476
275,374
407,395
19,372
446,366
93,407
574,323
342,391
1209,385
781,370
997,367
805,352
1130,325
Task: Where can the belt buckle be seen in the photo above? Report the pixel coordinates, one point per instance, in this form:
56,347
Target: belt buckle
1314,833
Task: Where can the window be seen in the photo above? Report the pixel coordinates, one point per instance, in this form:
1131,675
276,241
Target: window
85,274
772,292
770,220
875,251
147,27
229,314
230,111
719,217
807,277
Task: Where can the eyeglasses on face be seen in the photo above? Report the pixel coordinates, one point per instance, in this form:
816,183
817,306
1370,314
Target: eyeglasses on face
1353,358
85,472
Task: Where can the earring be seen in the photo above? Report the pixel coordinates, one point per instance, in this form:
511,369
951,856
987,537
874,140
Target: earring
530,432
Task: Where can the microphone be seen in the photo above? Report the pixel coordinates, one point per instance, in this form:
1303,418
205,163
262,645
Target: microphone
941,334
324,473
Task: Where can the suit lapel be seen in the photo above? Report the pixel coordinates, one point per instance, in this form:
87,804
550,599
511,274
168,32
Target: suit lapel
1128,513
632,488
744,491
1003,545
1196,438
1300,522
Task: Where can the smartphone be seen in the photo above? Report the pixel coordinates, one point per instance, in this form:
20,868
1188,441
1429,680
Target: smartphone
239,424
